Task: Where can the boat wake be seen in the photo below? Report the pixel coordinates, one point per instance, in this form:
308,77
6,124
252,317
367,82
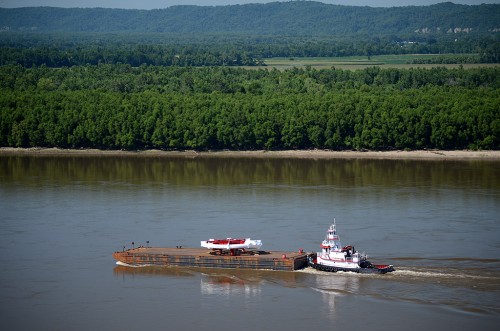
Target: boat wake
458,274
466,290
445,259
477,279
312,271
133,265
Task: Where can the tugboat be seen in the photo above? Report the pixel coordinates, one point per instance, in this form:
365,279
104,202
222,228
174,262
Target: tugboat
333,257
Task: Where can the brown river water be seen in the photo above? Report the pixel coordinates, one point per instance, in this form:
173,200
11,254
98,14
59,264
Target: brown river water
61,218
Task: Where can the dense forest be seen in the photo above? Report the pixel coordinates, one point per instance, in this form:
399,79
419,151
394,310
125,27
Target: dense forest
169,78
304,18
125,107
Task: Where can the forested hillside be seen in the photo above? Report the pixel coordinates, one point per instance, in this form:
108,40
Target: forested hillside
121,107
137,79
244,35
304,18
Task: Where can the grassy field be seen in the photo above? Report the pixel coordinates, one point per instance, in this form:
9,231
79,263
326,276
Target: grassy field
361,62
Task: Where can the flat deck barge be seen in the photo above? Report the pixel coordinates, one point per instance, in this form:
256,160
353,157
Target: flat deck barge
199,257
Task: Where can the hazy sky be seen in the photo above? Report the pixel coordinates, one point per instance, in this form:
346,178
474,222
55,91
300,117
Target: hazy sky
151,4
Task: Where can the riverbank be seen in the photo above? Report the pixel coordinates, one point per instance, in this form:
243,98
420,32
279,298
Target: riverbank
299,154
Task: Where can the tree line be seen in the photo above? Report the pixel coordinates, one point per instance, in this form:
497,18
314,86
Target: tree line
122,107
61,50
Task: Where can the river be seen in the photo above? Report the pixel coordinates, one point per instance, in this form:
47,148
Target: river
61,218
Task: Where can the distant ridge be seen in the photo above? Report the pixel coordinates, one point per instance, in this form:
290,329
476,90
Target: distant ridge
283,18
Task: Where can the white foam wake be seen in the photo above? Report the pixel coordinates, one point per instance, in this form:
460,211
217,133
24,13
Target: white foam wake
133,265
435,274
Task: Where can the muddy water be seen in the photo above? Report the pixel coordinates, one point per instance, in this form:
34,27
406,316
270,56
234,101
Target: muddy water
62,217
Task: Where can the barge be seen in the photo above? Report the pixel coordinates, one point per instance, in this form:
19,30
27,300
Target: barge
198,257
245,253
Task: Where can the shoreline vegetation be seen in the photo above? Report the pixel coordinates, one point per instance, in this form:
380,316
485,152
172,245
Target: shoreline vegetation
117,107
457,155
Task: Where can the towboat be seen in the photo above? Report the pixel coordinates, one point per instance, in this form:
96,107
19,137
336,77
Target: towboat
231,245
335,257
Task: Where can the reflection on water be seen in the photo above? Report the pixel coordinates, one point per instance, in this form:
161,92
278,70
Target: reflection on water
227,285
220,282
471,289
333,286
221,171
131,271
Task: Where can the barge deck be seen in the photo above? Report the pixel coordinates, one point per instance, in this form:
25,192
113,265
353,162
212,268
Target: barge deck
198,257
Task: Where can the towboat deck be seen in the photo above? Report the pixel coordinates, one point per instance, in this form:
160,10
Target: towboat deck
199,257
